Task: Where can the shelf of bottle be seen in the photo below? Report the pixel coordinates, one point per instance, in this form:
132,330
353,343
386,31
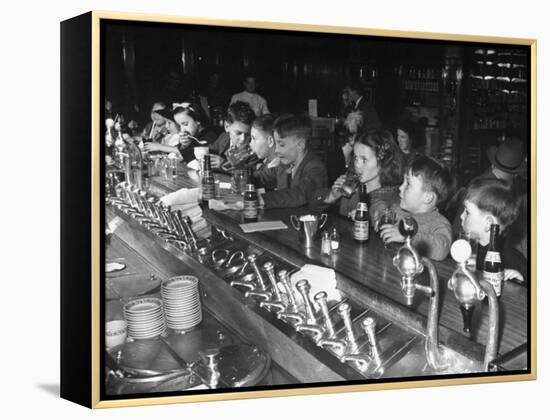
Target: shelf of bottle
423,90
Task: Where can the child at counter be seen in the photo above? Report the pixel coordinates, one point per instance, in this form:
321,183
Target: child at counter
300,173
376,163
262,143
236,138
492,201
189,121
426,185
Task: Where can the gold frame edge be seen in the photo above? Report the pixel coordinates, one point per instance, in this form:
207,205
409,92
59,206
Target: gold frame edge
96,402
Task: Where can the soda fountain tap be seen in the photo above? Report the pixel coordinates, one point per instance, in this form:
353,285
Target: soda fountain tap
291,313
321,299
211,358
410,264
189,226
468,290
369,326
311,322
284,278
169,222
361,361
269,269
329,340
179,227
277,303
261,291
245,281
345,312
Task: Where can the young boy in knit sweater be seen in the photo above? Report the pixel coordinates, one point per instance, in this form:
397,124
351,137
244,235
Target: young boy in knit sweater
426,185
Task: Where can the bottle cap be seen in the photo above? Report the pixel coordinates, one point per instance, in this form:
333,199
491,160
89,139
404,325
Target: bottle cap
461,250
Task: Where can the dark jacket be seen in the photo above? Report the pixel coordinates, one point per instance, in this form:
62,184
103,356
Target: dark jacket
310,176
221,144
262,178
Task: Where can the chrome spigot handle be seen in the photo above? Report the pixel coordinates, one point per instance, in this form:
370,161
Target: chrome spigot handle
294,316
263,294
435,357
491,348
180,228
408,262
345,312
260,280
321,299
315,330
168,217
463,281
284,278
272,304
186,223
369,326
338,346
361,361
153,207
303,287
246,285
211,359
269,269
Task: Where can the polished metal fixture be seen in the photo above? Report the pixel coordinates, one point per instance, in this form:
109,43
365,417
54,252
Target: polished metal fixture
468,289
410,265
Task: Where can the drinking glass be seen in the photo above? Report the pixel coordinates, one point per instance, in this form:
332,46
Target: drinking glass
173,168
351,183
388,217
238,184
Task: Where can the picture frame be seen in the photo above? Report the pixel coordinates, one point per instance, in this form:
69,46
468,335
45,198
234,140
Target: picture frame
253,330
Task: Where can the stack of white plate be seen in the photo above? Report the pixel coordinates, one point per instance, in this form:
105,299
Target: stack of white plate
182,303
145,318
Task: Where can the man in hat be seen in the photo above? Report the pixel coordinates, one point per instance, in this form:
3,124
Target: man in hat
508,164
507,161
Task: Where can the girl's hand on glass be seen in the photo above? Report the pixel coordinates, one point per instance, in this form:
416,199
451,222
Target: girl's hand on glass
335,191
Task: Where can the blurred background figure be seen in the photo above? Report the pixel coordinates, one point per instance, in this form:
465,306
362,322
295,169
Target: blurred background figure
249,95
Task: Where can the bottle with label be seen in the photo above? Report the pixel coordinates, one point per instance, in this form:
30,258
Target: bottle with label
208,186
250,211
493,271
361,221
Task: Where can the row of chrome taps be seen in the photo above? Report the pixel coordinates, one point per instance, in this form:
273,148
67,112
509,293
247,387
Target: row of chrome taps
303,317
171,226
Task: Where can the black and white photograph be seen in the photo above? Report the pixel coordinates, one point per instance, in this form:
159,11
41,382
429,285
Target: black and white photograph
301,208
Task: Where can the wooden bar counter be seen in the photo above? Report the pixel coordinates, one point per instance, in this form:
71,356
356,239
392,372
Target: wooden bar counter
367,272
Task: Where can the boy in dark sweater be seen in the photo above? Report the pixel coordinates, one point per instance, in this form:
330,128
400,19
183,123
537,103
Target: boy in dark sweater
426,185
